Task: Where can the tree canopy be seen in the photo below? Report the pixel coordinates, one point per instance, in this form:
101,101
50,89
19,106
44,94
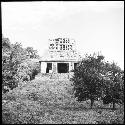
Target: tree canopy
94,78
114,84
13,56
87,79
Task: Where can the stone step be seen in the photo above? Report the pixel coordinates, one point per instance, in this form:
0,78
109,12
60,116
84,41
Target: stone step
55,75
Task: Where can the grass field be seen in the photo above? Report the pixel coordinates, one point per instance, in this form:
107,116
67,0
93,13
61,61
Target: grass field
50,101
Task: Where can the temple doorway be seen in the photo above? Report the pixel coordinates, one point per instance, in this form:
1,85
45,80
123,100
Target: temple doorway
49,68
63,67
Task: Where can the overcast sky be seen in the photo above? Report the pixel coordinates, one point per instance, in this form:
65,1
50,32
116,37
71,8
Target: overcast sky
95,26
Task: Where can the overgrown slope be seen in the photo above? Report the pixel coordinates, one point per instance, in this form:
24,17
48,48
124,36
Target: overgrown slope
51,101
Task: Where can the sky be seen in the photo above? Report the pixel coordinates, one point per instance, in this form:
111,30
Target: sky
96,26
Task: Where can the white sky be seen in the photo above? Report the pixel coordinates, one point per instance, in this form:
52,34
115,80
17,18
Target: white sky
96,25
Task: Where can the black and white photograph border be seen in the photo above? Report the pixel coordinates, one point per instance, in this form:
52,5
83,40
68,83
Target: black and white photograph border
62,62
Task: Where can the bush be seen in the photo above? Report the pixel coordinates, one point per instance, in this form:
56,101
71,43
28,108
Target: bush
27,71
110,117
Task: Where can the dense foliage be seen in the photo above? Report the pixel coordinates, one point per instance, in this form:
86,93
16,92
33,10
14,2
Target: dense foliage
27,70
113,84
87,80
13,57
94,79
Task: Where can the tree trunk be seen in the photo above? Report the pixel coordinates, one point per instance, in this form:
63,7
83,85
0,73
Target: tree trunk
92,102
113,105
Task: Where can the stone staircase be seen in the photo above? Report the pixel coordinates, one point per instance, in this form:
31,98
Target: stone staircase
59,76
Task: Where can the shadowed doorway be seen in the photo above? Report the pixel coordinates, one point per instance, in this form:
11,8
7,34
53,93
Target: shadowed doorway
63,67
49,67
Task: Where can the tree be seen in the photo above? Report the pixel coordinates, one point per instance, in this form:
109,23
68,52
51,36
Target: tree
113,84
6,50
5,43
13,55
87,79
31,52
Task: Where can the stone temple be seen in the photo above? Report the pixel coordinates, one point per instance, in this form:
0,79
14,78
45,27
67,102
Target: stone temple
61,56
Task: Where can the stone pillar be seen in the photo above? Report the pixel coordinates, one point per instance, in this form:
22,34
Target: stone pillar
43,67
54,67
70,66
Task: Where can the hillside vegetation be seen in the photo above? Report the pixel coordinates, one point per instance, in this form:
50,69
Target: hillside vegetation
18,64
51,101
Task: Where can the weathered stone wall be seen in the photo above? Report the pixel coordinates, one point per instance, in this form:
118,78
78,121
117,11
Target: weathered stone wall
60,50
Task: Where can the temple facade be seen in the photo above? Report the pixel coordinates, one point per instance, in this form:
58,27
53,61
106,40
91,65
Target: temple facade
61,56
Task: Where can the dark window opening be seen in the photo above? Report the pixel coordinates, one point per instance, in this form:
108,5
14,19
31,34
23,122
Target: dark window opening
60,47
63,47
51,44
